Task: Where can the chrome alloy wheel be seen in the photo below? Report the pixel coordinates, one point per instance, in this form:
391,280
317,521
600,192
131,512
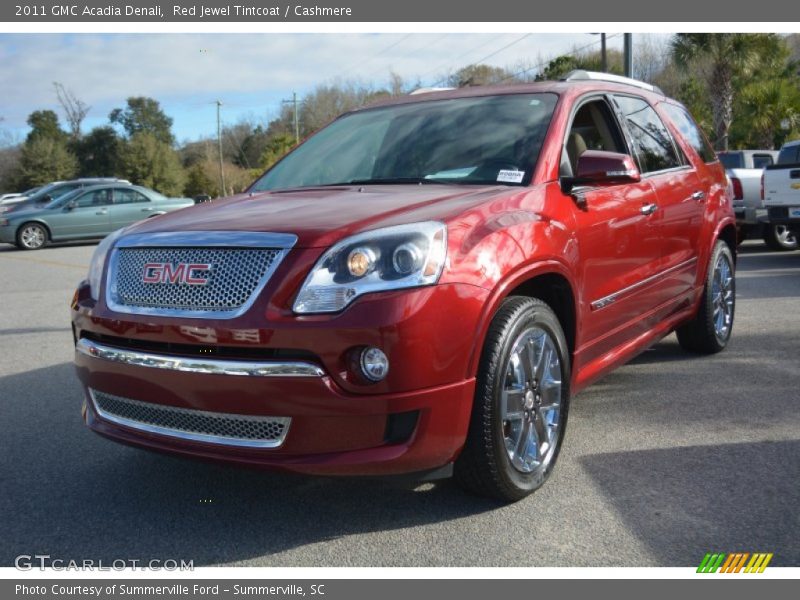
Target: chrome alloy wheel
785,237
530,403
722,297
33,237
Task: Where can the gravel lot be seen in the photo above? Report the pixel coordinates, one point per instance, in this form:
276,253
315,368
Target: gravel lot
666,459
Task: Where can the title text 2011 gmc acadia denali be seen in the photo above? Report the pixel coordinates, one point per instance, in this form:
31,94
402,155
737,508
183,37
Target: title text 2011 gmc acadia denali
420,287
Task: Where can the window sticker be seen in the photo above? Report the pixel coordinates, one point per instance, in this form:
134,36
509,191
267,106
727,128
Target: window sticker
509,176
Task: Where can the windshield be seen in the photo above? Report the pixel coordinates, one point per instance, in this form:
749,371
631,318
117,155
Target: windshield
484,140
64,198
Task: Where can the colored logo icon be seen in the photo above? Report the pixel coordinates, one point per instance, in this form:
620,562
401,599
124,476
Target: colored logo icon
736,562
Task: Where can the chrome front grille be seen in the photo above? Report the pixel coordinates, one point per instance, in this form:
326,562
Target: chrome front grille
232,278
211,427
192,274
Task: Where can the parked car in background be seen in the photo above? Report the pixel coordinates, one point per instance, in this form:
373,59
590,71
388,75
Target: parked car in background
745,169
55,190
19,196
419,287
85,213
782,191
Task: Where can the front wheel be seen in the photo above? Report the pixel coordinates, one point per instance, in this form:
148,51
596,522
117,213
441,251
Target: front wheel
710,330
31,236
779,238
521,403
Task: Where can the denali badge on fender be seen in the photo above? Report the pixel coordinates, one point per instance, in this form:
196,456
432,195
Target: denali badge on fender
425,284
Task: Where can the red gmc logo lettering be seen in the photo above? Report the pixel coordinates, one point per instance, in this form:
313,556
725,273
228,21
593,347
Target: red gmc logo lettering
175,273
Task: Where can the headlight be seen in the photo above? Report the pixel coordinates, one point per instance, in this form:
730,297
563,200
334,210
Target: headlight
392,258
98,261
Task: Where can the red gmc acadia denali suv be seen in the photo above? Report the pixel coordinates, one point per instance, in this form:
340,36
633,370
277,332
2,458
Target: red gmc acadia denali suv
419,288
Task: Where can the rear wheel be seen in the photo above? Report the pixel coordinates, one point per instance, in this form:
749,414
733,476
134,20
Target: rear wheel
711,328
779,238
31,236
521,402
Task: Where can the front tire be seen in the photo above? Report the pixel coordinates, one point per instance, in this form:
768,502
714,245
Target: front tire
521,402
710,330
779,238
32,236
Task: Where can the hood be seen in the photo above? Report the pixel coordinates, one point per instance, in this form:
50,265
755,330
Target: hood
21,211
320,217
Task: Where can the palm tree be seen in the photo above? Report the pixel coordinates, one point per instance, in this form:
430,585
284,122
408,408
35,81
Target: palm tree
771,109
727,56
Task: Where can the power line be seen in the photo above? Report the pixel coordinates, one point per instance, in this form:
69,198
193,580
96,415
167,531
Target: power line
435,41
361,63
495,53
573,53
461,57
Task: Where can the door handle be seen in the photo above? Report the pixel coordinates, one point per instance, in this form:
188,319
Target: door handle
102,212
698,196
648,209
148,209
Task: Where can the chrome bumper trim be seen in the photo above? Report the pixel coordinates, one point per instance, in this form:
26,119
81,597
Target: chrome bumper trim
199,365
195,436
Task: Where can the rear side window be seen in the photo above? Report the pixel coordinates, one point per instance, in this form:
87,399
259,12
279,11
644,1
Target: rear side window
652,141
789,156
731,160
692,134
761,160
128,196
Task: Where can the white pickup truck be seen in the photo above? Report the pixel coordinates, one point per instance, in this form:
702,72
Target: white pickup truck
745,169
782,190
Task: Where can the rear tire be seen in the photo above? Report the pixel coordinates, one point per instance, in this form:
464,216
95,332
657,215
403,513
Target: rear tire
779,238
710,330
32,236
521,403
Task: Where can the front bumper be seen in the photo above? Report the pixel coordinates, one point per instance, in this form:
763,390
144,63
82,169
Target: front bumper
416,420
7,233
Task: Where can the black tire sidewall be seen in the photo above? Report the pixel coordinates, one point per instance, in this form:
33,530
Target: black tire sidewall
543,317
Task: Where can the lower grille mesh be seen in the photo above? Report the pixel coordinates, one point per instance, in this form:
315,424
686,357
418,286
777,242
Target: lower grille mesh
213,427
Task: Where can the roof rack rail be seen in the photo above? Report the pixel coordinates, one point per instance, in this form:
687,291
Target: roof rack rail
581,75
427,90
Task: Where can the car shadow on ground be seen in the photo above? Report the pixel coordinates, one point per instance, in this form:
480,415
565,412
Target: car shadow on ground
75,495
12,248
684,502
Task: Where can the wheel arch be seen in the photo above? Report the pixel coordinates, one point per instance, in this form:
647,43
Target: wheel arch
38,222
727,233
550,282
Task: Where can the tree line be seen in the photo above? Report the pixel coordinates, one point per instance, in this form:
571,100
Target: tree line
743,89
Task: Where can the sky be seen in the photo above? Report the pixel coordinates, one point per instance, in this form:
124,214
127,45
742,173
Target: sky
249,73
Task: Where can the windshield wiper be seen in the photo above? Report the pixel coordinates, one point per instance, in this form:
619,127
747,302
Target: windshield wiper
396,181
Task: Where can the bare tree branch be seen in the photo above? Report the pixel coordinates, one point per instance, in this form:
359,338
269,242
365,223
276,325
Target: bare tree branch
75,110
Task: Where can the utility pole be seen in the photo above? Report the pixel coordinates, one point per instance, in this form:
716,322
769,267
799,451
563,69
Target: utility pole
628,55
219,142
293,102
603,55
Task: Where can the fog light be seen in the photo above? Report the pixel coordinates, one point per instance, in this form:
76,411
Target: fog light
374,364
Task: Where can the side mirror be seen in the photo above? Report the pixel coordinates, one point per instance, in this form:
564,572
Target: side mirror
601,168
71,205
